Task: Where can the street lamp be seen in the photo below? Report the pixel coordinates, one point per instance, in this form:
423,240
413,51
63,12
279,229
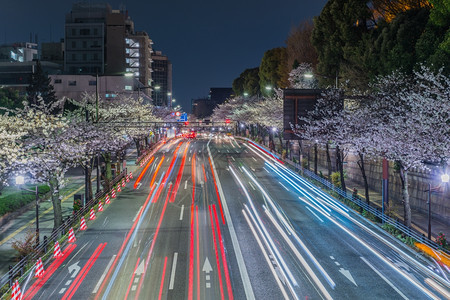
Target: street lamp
444,179
20,180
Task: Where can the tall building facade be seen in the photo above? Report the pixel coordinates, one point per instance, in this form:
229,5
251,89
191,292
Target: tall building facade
100,40
162,79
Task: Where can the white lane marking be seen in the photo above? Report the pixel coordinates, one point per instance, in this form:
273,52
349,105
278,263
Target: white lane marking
266,170
252,186
185,184
384,278
140,208
189,159
233,158
103,275
168,159
181,212
62,290
269,262
283,186
174,267
237,249
302,260
228,151
314,214
254,158
245,151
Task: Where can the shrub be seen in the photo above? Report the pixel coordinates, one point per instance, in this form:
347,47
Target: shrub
304,163
26,245
336,179
441,240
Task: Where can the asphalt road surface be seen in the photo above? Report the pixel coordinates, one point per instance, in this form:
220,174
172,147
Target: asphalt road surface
219,218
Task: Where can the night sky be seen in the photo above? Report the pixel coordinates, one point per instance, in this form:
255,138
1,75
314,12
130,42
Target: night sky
208,42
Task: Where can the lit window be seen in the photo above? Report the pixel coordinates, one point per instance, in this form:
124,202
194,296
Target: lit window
128,88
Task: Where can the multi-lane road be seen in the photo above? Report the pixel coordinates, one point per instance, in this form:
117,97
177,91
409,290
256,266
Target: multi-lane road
221,219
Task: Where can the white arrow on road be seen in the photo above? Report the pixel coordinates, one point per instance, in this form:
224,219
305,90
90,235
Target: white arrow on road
347,274
140,268
75,267
207,266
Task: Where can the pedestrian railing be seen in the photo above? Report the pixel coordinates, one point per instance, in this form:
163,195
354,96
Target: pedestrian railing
24,267
375,211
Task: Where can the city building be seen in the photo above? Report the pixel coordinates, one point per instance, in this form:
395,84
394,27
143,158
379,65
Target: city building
100,40
18,52
162,79
17,75
109,87
53,52
202,108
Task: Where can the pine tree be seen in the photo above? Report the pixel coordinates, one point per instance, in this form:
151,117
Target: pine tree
40,87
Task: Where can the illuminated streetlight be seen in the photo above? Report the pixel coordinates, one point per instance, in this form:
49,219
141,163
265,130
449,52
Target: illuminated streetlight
245,94
268,88
445,178
308,75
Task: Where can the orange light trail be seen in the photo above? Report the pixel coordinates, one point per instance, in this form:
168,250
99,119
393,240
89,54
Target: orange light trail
180,174
156,171
143,172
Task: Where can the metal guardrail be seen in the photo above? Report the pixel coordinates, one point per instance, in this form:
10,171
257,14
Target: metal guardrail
407,231
44,250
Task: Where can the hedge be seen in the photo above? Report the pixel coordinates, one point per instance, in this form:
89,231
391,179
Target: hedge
15,201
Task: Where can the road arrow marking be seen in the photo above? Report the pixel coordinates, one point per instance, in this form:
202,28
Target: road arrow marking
76,268
347,274
185,184
140,269
207,266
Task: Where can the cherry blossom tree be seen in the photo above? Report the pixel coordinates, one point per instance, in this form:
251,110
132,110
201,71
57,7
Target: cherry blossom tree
48,152
302,77
412,114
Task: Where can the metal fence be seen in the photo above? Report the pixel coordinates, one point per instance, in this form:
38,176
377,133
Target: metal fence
44,250
385,219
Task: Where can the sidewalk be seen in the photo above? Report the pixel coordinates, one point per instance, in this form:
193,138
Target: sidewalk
17,227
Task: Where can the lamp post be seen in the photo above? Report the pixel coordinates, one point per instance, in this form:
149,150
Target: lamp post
20,180
444,179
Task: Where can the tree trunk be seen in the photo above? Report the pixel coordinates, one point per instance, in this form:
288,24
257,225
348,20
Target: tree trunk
363,173
56,201
340,165
405,196
108,175
315,158
89,177
280,137
328,160
138,147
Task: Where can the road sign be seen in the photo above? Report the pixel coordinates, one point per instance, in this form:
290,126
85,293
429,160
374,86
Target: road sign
183,118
